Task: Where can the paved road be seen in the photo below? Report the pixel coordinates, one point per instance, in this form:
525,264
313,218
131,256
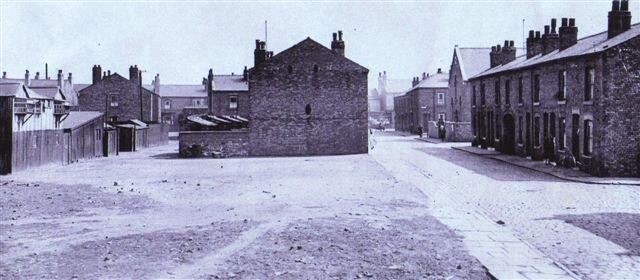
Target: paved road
552,228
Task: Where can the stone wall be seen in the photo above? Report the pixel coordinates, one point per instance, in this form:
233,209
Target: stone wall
214,143
308,101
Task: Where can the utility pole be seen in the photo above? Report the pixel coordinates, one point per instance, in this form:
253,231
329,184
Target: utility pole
523,40
265,32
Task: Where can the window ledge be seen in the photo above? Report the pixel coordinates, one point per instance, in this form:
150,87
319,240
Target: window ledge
586,156
520,104
536,103
562,102
520,145
590,102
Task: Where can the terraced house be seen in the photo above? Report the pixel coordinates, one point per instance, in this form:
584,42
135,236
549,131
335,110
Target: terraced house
582,93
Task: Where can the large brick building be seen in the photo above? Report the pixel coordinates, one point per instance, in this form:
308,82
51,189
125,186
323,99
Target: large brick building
423,104
306,100
381,99
118,98
585,93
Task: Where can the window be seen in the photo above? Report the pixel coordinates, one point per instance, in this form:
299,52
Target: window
290,69
441,116
562,136
482,100
562,85
167,104
536,88
440,98
590,79
98,134
197,102
233,102
520,124
316,68
520,89
307,109
588,137
497,89
114,103
473,95
498,127
536,131
507,92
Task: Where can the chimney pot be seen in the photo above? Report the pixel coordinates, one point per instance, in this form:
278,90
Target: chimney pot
511,44
439,70
4,74
335,36
547,30
537,34
624,5
565,22
572,22
26,78
339,35
553,26
37,76
506,44
615,5
70,78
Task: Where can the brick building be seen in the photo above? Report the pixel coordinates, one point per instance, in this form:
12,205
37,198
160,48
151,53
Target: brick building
120,99
583,92
306,100
381,99
423,104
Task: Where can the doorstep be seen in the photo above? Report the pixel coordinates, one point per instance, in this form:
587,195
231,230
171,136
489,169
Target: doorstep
558,172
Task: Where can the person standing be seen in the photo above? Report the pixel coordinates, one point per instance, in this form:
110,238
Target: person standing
420,131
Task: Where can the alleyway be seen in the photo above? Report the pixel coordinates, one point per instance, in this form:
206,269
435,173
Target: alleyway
589,230
410,209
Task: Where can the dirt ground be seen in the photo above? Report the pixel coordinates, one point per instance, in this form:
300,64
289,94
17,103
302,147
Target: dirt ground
139,215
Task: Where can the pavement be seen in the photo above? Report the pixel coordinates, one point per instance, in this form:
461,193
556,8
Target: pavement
568,174
521,223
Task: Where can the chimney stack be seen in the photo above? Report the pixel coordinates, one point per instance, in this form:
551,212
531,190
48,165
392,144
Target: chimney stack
210,89
424,75
494,57
4,74
245,74
156,84
260,53
619,18
337,45
26,78
568,33
534,44
46,71
70,79
508,52
108,73
60,78
550,40
95,71
134,73
37,77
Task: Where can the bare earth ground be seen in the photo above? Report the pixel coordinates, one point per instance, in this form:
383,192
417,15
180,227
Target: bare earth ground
148,215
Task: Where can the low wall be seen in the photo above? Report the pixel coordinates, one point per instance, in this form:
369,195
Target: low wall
158,134
456,131
214,143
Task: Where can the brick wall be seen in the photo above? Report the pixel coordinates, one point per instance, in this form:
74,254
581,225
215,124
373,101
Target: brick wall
612,110
221,103
458,104
206,143
336,95
127,95
620,141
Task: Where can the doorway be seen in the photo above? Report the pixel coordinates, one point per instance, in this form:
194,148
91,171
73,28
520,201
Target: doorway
509,134
575,135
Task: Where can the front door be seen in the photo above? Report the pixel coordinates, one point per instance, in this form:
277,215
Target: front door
575,135
529,145
509,134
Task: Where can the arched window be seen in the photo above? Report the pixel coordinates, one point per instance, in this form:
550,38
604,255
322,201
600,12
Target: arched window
307,109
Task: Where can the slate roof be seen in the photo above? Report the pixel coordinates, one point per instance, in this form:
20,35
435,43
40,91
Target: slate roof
229,83
438,80
588,45
49,92
18,89
180,90
397,85
9,89
79,87
472,61
78,118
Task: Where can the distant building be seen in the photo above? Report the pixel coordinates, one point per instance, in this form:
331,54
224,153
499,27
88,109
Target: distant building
306,100
120,99
423,105
381,101
48,86
30,127
584,93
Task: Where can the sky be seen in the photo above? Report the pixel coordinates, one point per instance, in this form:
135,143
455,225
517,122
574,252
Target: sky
181,40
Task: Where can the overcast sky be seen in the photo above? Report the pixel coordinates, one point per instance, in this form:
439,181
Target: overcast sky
182,40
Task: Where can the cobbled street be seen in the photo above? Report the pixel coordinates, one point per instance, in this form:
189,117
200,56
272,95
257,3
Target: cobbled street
409,209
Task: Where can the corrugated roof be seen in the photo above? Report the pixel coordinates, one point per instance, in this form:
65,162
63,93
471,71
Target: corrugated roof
229,83
79,118
589,45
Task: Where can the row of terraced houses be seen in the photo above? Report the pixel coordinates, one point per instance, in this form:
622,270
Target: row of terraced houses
577,96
